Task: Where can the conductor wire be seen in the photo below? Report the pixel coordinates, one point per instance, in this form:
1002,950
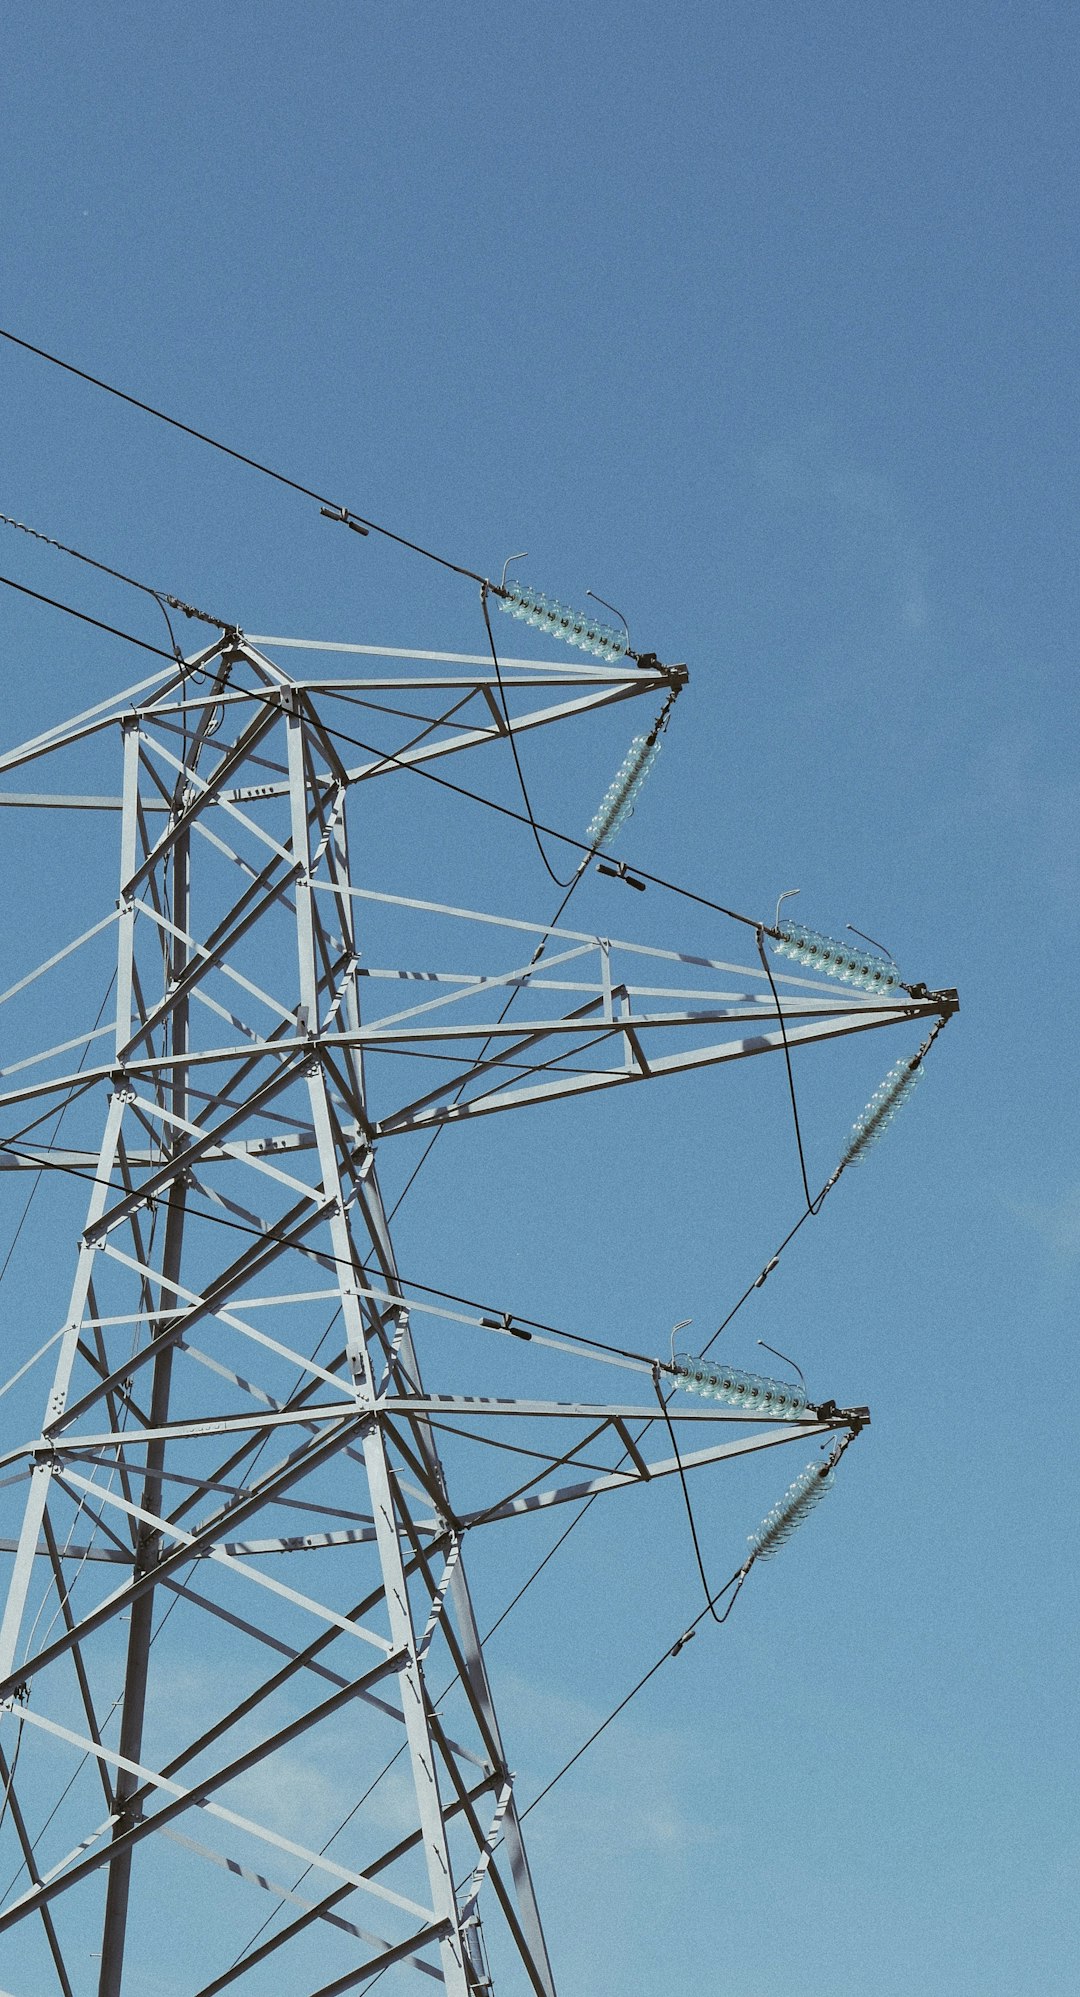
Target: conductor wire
559,883
787,1061
735,1583
685,1491
161,597
254,464
84,618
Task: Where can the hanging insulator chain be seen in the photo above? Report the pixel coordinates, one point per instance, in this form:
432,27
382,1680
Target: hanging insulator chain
621,794
807,1490
886,1100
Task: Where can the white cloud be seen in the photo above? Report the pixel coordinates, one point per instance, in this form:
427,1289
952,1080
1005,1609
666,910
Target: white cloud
1057,1222
866,508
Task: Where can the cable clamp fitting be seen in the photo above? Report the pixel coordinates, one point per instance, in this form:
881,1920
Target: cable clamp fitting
616,870
343,517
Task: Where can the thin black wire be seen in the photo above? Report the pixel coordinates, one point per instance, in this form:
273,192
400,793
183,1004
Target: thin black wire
201,436
54,1134
514,994
161,596
386,756
275,1911
143,644
736,1582
811,1212
685,1491
787,1061
10,1783
322,1255
559,882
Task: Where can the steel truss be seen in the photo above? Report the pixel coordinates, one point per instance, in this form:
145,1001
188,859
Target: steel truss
237,1436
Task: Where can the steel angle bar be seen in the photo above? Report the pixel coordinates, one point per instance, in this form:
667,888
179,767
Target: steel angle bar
520,977
562,933
386,764
320,1908
113,1555
213,1005
617,1480
484,1407
283,1475
211,1140
66,1448
558,667
212,961
206,794
420,1118
198,1796
265,1250
234,926
37,1497
53,1553
62,1047
215,1550
41,1351
289,1893
202,1139
58,956
380,1032
26,1845
503,1329
43,801
103,715
589,1025
298,1661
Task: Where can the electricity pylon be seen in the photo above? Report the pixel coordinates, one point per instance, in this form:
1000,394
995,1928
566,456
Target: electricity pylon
239,1534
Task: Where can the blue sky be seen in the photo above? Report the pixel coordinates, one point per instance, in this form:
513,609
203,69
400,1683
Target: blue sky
760,322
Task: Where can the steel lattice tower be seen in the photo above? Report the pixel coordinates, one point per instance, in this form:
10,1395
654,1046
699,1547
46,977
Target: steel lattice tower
237,1437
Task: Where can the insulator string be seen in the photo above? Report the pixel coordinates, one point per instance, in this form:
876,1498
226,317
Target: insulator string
619,799
867,970
800,1498
889,1097
556,620
734,1387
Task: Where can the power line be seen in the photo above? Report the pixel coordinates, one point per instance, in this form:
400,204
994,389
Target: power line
84,618
559,883
334,511
736,1582
161,596
506,1320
